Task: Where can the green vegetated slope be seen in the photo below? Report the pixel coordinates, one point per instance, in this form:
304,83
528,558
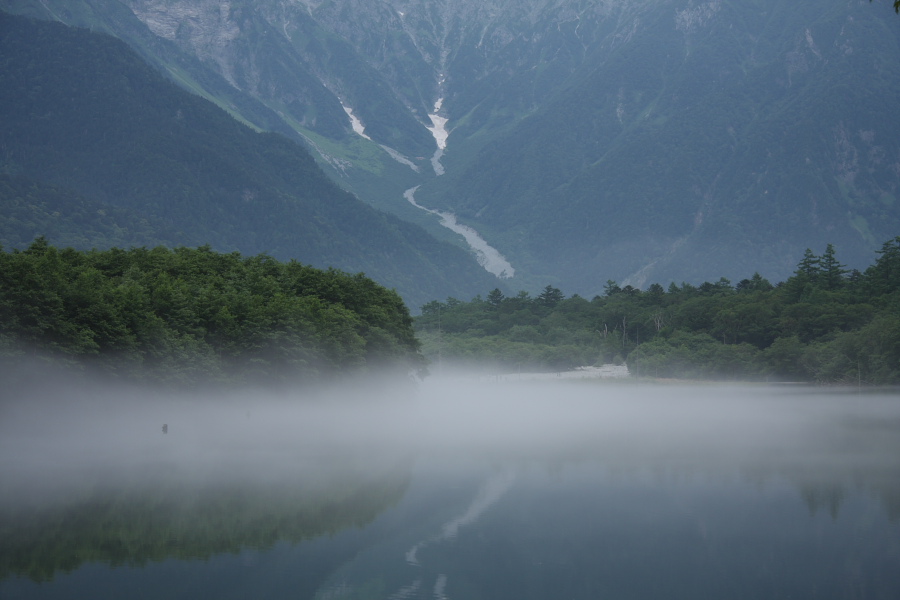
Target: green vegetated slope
188,316
710,140
82,113
824,324
31,209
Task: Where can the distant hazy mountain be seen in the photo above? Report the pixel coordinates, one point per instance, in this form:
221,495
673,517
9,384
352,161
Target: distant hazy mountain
98,149
588,139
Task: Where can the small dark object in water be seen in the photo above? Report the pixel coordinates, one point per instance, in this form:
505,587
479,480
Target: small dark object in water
165,428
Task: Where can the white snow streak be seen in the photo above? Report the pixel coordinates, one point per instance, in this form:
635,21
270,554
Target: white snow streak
355,122
439,130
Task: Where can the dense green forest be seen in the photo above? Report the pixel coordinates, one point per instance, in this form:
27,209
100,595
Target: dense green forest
823,324
187,315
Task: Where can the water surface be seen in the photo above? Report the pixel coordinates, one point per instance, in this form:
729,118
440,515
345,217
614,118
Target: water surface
467,490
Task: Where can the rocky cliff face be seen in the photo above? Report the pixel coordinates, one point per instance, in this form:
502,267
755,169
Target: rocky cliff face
393,59
204,27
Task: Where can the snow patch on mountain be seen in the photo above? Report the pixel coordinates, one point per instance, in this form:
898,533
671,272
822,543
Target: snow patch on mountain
355,123
691,19
439,130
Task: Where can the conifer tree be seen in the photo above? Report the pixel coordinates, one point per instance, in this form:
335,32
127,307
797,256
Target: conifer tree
884,276
831,272
550,296
808,267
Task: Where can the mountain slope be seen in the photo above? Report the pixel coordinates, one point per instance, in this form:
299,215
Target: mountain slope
706,147
31,209
588,139
81,112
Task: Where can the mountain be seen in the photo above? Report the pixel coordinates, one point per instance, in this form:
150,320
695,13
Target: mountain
588,139
100,148
722,139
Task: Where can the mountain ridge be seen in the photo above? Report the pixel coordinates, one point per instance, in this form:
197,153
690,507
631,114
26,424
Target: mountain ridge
588,140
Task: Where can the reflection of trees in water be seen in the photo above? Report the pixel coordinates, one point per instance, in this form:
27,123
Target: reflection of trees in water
826,489
890,496
828,496
821,487
823,495
139,524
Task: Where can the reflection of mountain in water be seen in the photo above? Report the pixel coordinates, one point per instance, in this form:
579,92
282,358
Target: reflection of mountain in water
165,518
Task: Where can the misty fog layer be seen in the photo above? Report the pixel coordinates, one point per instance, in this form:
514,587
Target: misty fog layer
69,436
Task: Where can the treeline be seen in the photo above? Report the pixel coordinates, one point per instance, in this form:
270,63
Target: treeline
823,324
194,315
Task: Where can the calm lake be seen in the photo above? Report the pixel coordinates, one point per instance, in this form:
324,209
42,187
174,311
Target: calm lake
458,490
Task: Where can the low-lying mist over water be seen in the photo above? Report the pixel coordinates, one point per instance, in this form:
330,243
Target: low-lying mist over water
404,483
263,435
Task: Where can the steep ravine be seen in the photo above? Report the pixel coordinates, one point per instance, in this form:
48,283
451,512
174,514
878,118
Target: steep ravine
488,256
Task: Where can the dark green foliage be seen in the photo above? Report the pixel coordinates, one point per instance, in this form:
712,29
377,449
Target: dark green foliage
189,315
823,324
550,297
884,276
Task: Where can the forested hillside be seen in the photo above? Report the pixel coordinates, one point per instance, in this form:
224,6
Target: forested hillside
31,209
83,115
824,324
187,316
